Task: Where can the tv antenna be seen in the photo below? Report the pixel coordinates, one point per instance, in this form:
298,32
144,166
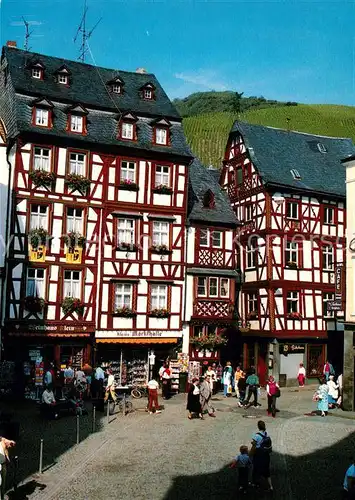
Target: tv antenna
27,34
85,35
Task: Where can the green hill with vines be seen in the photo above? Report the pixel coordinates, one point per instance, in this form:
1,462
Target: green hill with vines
207,133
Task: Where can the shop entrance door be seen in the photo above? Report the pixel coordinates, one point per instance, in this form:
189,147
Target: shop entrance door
262,363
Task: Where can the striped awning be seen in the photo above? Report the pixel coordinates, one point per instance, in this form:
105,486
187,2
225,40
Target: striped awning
164,340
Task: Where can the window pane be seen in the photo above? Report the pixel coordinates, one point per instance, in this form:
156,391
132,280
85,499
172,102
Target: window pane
224,287
161,136
213,287
204,237
127,130
77,163
201,286
216,238
128,171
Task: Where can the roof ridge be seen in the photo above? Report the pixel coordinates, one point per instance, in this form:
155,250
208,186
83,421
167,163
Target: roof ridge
38,54
288,131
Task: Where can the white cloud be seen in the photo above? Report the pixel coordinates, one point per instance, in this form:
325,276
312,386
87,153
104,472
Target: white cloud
207,79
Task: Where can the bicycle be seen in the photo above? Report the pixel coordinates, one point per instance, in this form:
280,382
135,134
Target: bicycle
139,392
124,405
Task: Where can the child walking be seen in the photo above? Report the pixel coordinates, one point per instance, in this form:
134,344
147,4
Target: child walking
243,463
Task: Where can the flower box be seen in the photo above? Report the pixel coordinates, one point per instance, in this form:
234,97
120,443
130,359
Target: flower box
74,240
128,185
159,313
38,237
161,249
294,315
124,312
78,182
162,189
42,178
71,304
126,247
208,342
34,304
292,265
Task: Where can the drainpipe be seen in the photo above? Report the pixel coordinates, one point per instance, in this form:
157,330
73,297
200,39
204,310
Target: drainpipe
6,243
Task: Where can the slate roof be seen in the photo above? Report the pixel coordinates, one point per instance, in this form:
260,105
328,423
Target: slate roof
87,87
201,180
275,152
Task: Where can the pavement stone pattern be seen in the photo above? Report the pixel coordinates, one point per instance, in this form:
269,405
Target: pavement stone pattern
168,457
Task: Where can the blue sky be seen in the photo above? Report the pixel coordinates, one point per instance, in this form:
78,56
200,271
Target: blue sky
286,50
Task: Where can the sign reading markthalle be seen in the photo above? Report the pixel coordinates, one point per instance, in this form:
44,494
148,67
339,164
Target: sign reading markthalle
137,333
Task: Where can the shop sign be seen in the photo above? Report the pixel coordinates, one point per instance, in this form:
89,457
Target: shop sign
48,328
339,288
293,349
335,305
138,333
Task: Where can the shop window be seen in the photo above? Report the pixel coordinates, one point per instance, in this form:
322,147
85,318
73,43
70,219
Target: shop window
315,360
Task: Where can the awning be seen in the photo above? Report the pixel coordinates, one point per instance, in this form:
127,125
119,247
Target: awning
166,340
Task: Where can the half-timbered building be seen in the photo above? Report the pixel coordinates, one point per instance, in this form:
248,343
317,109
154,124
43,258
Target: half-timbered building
98,167
288,190
212,281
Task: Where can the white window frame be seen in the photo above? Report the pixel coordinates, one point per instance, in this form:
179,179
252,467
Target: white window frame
202,286
41,117
292,302
39,216
38,278
75,220
327,212
36,73
210,238
161,136
72,284
216,236
127,130
204,238
148,93
158,296
214,287
224,285
123,295
63,79
161,231
249,212
77,123
162,175
327,297
128,171
125,231
292,210
252,302
291,252
76,164
328,258
250,254
41,161
116,88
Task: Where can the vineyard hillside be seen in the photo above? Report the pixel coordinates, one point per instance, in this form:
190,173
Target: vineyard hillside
207,134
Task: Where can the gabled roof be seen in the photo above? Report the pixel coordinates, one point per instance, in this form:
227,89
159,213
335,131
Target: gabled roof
201,180
88,84
275,152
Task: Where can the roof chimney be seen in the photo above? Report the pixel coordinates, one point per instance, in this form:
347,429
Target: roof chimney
11,43
141,70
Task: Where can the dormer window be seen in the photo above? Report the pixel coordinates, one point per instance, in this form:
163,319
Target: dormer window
42,113
321,147
76,123
37,73
148,92
208,199
128,127
161,132
161,136
295,174
63,79
117,88
77,119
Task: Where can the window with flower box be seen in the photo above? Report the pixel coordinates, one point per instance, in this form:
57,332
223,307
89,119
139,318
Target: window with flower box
74,220
292,254
71,284
162,175
125,232
123,296
158,297
35,284
41,159
160,233
39,216
77,163
128,172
